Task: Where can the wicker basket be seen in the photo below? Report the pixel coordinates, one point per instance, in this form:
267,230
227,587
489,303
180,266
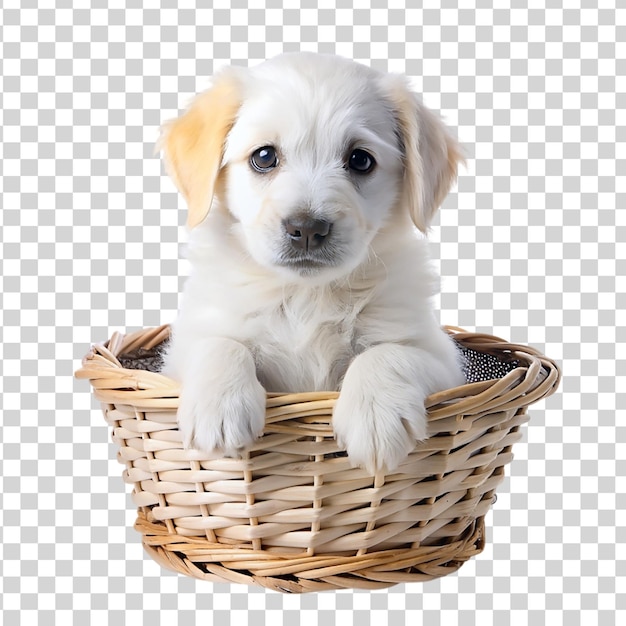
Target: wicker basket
293,515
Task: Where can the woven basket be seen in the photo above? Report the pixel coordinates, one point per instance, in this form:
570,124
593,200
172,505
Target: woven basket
293,515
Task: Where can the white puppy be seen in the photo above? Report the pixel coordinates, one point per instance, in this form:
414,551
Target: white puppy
305,178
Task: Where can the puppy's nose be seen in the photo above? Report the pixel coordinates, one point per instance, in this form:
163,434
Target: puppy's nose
307,233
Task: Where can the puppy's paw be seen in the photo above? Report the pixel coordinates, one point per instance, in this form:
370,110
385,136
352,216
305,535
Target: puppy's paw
222,403
222,419
380,414
378,429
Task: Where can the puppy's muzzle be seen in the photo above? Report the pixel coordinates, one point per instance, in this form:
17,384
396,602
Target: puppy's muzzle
306,233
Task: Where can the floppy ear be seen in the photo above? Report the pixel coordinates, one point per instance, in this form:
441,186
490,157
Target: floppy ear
193,144
430,153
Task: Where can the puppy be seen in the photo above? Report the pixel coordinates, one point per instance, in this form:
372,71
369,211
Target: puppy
307,179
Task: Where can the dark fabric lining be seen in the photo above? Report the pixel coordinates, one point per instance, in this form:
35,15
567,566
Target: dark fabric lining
480,366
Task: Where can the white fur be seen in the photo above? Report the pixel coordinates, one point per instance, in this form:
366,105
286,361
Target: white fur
364,324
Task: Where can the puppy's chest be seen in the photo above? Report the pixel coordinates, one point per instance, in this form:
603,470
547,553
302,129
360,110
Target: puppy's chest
304,346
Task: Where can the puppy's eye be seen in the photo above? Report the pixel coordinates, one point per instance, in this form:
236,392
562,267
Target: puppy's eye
361,161
264,159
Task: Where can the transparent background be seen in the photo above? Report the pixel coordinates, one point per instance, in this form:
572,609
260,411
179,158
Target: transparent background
531,248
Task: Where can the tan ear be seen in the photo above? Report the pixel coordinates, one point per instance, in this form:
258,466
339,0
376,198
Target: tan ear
193,144
431,154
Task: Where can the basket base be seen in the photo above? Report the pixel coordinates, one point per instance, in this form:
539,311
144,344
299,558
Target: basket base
214,562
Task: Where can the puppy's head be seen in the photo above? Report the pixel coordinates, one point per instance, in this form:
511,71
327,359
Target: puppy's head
310,155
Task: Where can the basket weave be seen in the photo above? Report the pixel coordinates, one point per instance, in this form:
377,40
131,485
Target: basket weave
293,515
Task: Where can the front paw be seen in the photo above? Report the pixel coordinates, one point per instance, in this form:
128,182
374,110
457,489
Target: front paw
376,429
380,415
221,418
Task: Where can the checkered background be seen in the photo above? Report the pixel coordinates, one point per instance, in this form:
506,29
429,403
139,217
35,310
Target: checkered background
531,247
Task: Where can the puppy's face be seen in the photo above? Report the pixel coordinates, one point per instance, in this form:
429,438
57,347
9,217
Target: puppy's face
311,155
312,166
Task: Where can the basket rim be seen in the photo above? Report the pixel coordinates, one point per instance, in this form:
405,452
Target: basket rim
535,378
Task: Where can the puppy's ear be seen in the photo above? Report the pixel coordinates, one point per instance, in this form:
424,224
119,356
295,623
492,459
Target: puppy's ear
193,144
430,153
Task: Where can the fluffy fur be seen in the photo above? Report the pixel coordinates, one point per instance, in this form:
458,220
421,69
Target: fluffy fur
355,315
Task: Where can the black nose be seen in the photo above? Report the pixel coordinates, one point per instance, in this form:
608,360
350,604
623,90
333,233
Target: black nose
307,233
